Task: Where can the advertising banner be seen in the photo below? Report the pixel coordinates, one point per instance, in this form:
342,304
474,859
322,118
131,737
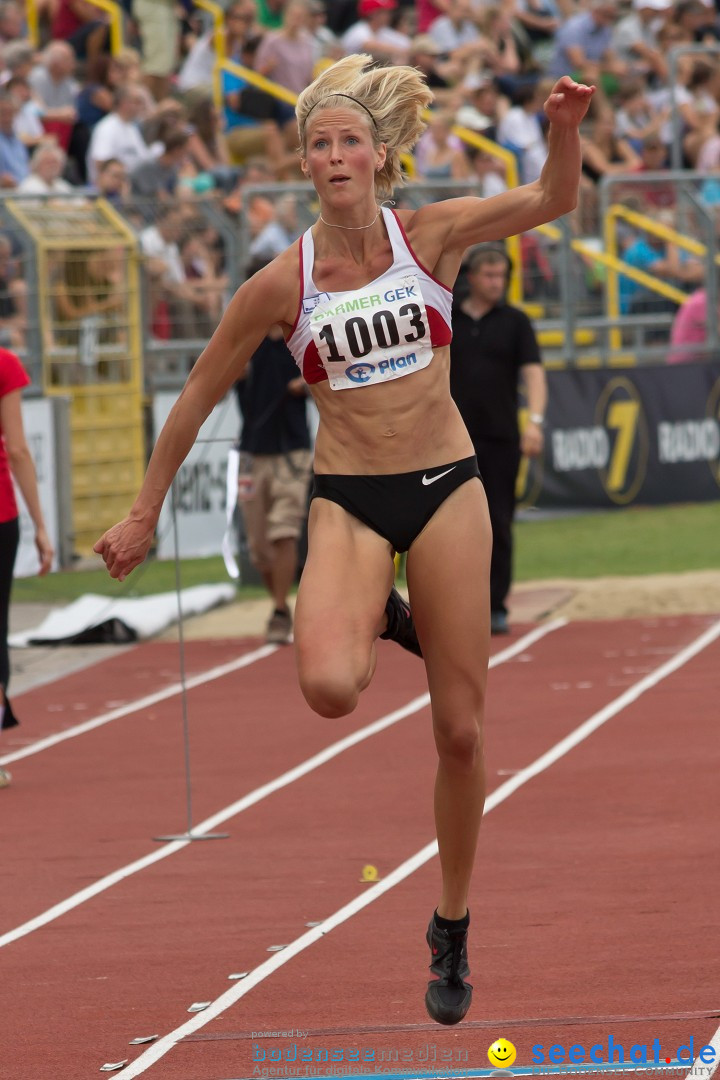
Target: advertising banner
200,484
39,425
632,436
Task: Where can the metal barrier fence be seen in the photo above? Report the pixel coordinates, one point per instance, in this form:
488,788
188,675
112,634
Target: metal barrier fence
669,220
594,301
191,264
109,305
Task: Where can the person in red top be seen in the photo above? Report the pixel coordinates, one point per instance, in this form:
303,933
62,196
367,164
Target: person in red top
77,22
15,463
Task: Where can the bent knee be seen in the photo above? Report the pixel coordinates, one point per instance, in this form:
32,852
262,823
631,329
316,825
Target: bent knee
331,696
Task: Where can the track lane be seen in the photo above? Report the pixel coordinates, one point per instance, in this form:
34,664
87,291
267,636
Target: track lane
372,777
594,912
225,763
116,709
94,804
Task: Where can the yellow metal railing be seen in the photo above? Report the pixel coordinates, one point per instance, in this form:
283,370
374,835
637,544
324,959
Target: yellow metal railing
116,23
256,80
218,17
108,6
281,93
664,232
616,267
94,359
471,138
480,142
31,14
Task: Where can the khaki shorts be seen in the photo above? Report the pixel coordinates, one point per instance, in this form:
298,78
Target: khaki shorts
278,507
159,34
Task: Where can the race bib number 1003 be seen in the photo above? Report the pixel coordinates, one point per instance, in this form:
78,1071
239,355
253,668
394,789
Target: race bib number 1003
372,335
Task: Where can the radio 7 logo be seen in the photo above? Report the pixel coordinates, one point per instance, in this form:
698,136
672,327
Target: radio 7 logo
619,410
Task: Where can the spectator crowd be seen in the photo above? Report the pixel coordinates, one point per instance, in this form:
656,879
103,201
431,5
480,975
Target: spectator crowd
152,123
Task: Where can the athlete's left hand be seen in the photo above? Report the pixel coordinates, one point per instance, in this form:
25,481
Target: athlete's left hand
532,440
568,102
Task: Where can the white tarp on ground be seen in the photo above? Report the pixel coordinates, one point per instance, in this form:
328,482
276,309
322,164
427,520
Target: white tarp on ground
94,618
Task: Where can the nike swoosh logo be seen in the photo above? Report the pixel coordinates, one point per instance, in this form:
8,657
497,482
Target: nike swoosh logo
431,479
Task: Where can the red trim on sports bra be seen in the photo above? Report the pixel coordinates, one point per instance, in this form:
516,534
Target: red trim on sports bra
410,249
440,332
300,298
312,366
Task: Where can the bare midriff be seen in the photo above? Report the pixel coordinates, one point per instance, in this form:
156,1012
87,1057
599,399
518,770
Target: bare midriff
399,426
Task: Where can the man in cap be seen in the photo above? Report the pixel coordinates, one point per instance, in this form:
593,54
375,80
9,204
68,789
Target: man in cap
374,34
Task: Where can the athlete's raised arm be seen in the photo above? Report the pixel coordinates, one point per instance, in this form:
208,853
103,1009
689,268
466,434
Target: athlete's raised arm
270,296
457,224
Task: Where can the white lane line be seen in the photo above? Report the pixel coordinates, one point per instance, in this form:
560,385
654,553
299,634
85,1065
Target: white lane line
258,794
268,967
702,1070
141,703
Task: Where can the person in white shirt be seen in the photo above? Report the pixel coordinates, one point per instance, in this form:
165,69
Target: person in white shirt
635,38
278,234
28,121
159,244
199,65
117,135
374,34
457,34
521,132
18,59
53,83
46,166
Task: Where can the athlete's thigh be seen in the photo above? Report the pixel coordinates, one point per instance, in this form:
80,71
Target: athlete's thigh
448,571
344,587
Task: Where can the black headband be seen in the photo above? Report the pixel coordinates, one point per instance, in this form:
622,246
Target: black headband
350,98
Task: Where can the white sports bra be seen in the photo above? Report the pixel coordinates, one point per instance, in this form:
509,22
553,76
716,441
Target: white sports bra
375,333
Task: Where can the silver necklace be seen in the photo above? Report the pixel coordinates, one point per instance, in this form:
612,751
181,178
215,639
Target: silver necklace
351,228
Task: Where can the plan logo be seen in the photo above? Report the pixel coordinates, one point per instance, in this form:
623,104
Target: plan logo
360,373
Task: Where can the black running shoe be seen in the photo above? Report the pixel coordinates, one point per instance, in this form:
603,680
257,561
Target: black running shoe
9,718
400,625
448,996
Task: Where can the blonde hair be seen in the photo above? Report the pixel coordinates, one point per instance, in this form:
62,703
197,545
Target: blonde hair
393,96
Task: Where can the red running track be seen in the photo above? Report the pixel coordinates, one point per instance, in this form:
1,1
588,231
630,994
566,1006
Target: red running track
594,907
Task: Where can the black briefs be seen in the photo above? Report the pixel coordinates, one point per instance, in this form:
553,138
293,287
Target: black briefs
398,506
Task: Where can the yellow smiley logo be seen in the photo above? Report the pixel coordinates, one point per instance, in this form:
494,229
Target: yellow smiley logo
502,1053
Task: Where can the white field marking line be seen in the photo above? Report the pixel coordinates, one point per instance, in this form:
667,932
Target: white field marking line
257,795
268,967
701,1071
142,703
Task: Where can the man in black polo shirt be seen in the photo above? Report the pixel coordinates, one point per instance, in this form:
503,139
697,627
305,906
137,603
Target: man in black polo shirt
493,348
276,461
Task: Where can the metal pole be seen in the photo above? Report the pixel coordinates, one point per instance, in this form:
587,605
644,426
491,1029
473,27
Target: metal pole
189,835
676,149
567,291
711,271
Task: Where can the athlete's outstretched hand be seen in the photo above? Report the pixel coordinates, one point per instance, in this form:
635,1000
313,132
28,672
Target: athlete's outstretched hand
568,102
125,546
